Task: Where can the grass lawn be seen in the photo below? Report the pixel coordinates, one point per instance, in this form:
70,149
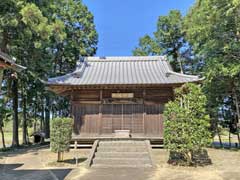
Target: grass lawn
8,134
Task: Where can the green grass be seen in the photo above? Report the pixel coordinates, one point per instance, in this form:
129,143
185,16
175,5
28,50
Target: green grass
8,134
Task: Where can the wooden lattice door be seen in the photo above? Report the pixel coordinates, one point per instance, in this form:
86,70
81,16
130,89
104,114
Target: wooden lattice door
137,113
86,118
106,120
153,119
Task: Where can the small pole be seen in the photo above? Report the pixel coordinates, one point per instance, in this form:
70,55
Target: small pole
76,158
75,145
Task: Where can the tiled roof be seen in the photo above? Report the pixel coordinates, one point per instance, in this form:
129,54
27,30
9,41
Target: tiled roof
10,62
132,70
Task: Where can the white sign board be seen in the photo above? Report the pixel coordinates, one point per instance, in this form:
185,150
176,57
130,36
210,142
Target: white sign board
122,95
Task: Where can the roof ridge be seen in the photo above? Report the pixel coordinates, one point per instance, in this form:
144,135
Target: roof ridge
124,58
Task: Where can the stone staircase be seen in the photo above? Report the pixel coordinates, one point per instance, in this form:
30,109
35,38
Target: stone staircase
122,153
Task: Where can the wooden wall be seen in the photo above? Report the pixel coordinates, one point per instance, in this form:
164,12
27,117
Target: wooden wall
96,112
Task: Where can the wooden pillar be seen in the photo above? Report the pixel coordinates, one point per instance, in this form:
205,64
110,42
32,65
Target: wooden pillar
122,118
144,113
71,104
100,113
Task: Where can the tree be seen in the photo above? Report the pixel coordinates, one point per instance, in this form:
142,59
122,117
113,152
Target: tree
22,25
186,123
5,113
167,40
79,39
213,29
147,47
47,37
61,134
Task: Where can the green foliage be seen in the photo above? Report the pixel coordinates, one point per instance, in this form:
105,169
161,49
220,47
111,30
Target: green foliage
47,37
186,123
213,28
61,134
147,47
169,39
33,18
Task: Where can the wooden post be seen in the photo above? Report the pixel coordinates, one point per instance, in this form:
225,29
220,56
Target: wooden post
71,104
75,144
122,119
144,113
100,113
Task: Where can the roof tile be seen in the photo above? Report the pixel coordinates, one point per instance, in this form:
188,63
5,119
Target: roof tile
123,70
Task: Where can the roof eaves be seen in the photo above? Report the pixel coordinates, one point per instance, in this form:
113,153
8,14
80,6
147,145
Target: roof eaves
183,75
8,60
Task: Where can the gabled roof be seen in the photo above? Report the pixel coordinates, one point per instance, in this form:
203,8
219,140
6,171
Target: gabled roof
132,70
7,62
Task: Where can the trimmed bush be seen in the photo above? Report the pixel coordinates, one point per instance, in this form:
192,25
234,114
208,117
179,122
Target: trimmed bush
186,125
61,134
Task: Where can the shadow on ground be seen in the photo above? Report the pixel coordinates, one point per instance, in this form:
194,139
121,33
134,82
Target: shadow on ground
11,171
73,161
226,146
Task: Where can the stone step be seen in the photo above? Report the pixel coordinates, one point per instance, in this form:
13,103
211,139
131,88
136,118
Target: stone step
122,143
121,154
121,161
121,149
121,166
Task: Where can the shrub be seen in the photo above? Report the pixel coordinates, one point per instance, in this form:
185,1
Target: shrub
186,124
61,134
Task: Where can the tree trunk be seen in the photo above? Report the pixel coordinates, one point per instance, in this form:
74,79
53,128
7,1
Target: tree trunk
177,61
42,116
3,139
24,123
229,138
236,104
4,42
238,137
180,65
47,117
218,133
15,140
238,114
60,157
35,118
1,77
219,137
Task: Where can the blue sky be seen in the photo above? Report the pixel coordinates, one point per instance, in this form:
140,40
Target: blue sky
120,23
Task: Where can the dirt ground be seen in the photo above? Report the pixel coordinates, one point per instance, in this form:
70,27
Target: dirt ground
226,166
39,164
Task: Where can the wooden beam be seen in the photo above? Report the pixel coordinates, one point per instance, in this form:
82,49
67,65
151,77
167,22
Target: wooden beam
86,102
